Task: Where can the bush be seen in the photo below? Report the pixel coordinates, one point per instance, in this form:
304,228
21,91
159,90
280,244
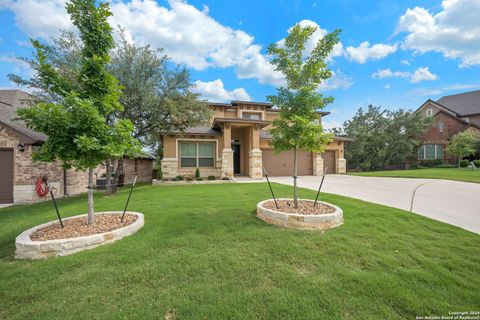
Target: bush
175,179
179,177
189,179
212,178
464,163
430,163
225,178
476,163
197,173
199,179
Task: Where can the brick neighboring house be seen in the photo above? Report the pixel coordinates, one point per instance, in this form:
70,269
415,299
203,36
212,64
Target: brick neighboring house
237,142
19,172
450,115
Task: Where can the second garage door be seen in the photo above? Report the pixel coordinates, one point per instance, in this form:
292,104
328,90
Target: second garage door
282,164
329,161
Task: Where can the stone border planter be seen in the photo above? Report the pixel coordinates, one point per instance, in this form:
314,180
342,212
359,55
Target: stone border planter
29,249
301,221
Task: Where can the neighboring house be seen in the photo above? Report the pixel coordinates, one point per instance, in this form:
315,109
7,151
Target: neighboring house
450,115
19,172
238,143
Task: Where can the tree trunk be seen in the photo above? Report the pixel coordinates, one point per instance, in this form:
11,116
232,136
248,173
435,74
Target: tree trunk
295,191
91,217
118,172
108,174
459,160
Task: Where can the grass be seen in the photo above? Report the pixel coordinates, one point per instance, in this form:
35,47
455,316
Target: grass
459,174
203,254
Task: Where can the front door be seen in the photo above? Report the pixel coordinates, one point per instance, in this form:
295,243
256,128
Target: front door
6,175
236,158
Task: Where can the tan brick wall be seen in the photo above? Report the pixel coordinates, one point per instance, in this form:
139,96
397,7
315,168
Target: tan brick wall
26,171
144,170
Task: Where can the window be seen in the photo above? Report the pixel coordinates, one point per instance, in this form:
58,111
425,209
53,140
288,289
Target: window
197,154
430,152
441,126
251,116
429,112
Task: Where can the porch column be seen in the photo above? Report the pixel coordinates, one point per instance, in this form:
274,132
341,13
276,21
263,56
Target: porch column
318,164
255,154
227,153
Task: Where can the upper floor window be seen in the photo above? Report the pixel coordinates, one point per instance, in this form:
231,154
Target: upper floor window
197,154
441,126
429,112
251,116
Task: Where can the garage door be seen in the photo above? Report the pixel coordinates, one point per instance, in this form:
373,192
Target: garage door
6,176
282,164
329,161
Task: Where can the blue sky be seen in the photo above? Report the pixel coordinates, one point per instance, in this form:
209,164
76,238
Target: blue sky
392,53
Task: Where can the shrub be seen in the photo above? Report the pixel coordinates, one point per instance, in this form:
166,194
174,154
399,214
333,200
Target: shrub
179,177
175,179
212,177
197,173
463,163
199,179
430,163
477,163
225,178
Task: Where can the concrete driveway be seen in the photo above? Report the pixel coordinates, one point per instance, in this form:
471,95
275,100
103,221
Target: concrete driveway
453,202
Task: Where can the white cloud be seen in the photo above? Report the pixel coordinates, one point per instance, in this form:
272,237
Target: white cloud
405,62
387,73
339,80
214,91
387,86
188,34
421,74
329,125
454,31
445,89
365,52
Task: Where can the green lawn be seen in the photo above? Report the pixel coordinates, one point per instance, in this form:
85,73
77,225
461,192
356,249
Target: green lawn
459,174
204,255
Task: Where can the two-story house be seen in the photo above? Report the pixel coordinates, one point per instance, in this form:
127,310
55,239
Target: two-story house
450,115
237,142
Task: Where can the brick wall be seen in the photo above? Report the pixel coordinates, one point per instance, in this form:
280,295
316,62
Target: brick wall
144,170
26,171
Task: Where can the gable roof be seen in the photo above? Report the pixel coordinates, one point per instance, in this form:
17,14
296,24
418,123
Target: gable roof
463,104
10,102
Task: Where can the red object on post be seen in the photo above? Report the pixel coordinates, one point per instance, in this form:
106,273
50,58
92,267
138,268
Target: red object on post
42,190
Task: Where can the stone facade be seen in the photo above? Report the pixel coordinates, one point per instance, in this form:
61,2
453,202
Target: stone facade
171,169
227,163
341,165
255,164
317,164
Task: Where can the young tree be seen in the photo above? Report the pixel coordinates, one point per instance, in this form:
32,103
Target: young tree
462,145
156,97
297,127
75,120
382,137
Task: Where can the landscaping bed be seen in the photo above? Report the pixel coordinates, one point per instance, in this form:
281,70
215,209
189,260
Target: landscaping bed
304,207
79,227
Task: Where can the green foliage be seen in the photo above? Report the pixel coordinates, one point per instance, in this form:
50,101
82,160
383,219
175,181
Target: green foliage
212,178
197,173
382,137
430,163
297,126
463,144
476,163
463,163
85,93
180,177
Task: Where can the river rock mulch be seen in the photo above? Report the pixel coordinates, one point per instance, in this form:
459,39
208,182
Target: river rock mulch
79,227
304,207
